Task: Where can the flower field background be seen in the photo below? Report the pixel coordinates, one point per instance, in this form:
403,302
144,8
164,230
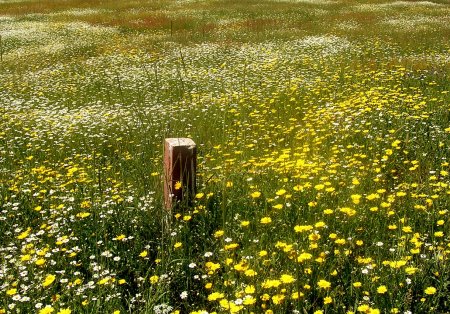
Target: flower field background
323,133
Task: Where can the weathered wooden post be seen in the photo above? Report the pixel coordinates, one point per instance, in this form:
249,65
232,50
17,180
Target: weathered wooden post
180,166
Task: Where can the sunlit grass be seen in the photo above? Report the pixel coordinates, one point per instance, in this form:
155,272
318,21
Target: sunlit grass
323,133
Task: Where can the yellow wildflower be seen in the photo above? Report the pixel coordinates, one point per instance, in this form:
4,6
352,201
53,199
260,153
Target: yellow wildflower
382,289
324,284
143,253
48,281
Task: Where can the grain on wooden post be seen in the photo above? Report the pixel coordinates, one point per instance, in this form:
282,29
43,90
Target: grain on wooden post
180,166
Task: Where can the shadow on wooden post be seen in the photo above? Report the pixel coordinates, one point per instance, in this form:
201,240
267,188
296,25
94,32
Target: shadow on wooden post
180,166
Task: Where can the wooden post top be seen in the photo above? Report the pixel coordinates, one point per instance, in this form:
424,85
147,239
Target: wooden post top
180,141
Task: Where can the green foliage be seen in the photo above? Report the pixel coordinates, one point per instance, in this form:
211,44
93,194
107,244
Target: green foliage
323,140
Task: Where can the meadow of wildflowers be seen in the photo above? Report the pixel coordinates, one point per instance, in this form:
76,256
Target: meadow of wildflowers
323,133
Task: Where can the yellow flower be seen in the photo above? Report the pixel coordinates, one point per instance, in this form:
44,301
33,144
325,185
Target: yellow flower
24,234
319,224
303,228
245,223
357,284
103,281
314,237
255,194
347,210
295,295
199,195
278,298
250,273
64,311
430,290
249,300
285,278
178,245
407,229
410,270
85,204
263,253
231,246
48,281
154,279
397,264
219,233
324,284
212,267
82,215
143,253
327,300
270,283
304,256
12,291
382,289
319,187
120,237
25,257
177,185
280,192
250,289
46,310
215,296
40,262
266,220
355,198
363,308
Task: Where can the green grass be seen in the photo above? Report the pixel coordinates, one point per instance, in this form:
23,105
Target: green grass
323,156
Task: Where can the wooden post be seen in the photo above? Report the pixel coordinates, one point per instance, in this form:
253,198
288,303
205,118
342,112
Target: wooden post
180,166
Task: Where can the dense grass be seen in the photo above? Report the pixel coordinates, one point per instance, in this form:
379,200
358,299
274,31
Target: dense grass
323,136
